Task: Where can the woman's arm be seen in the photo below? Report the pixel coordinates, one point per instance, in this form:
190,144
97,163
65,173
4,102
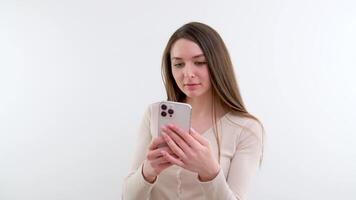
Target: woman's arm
194,153
135,186
243,167
148,161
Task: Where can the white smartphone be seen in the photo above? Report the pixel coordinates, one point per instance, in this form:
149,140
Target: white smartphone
170,112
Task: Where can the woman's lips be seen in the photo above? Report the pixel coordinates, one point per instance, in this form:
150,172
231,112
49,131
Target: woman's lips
192,86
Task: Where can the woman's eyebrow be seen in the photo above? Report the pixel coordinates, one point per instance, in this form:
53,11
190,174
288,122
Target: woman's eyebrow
176,58
197,56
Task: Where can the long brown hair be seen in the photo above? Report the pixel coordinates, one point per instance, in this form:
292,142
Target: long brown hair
225,91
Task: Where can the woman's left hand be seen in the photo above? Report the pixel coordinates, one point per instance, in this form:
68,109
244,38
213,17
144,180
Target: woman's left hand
193,151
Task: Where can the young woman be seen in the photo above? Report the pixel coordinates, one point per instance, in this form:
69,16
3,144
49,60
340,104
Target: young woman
224,147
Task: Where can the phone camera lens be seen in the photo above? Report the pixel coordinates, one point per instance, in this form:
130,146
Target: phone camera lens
164,107
170,111
163,114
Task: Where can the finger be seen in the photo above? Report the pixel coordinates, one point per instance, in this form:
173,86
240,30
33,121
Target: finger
165,165
159,161
173,160
173,146
153,154
156,142
177,139
172,153
186,136
198,137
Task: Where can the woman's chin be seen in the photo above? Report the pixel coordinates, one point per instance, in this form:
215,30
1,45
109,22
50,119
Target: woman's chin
193,94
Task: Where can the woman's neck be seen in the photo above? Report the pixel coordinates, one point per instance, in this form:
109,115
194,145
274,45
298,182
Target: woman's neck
201,107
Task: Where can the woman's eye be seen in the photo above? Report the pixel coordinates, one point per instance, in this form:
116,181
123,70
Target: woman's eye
178,64
201,63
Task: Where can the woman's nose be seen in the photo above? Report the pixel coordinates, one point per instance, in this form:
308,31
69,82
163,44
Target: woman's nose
189,71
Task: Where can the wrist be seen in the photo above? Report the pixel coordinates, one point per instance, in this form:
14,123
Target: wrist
151,178
209,175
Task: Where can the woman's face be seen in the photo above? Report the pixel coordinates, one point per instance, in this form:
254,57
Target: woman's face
190,69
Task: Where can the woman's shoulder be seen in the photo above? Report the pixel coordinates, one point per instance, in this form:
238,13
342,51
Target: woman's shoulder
150,109
152,106
248,124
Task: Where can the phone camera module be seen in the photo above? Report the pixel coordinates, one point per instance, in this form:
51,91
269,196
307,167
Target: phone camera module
163,114
170,111
164,107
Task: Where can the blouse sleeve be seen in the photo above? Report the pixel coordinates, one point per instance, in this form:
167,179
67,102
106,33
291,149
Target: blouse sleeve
135,187
243,166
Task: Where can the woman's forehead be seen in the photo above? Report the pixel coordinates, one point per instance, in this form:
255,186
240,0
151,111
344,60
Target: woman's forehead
184,49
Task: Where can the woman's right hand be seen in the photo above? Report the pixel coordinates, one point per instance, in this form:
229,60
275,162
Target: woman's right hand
155,163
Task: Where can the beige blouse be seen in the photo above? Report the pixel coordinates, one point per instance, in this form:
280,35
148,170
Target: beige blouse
241,150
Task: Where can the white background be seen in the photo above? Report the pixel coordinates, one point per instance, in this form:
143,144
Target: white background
76,76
